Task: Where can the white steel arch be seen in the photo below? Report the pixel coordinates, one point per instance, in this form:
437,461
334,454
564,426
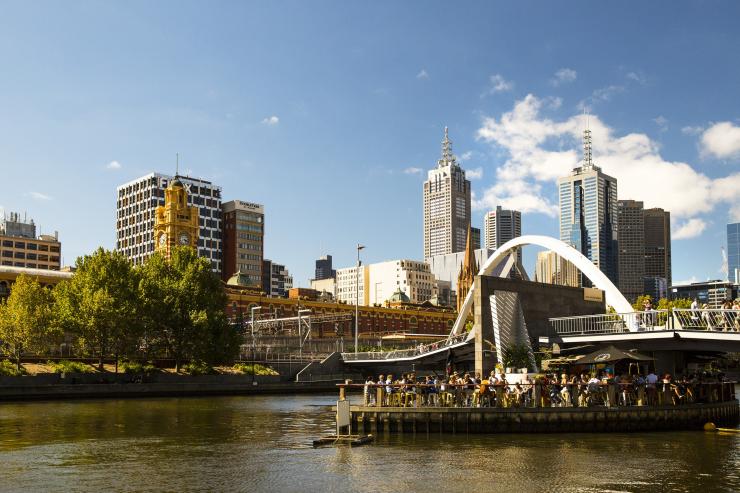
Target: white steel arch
613,296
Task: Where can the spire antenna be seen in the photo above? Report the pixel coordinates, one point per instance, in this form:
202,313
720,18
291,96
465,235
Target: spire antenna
587,150
447,156
177,164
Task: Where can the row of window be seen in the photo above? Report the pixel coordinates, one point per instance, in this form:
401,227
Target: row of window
29,256
31,246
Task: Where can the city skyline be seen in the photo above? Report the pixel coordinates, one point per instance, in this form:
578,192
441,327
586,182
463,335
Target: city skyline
293,125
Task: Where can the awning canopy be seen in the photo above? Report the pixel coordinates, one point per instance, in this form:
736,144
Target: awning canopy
610,354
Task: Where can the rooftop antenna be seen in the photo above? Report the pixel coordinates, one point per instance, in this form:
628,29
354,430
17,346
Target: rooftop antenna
177,164
587,155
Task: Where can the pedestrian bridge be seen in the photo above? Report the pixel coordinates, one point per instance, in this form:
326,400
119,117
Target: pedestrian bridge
411,355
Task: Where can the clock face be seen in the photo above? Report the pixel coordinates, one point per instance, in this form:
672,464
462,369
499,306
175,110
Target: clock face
184,239
163,240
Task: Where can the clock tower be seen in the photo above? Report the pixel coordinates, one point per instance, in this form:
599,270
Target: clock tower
175,223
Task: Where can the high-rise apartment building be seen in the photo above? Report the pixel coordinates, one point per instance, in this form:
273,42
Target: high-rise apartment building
377,282
276,280
20,247
631,227
588,213
243,240
551,268
324,268
446,205
733,252
657,248
136,206
500,226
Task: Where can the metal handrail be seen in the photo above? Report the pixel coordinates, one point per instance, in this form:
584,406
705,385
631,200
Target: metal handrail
405,353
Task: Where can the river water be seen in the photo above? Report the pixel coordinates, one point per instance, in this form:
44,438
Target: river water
256,443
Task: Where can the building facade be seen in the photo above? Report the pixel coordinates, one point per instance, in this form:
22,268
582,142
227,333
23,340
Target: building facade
243,240
733,252
551,268
276,280
20,247
631,227
588,213
658,247
446,205
136,206
329,285
175,222
377,282
500,226
713,293
447,267
324,268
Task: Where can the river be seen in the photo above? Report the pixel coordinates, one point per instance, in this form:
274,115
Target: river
256,443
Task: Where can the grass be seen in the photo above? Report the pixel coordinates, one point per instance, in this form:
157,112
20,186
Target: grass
247,369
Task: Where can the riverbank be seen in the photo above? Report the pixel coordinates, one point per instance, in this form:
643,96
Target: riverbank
85,386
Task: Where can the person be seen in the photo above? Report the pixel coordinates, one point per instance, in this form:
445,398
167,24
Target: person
695,312
368,391
706,316
381,381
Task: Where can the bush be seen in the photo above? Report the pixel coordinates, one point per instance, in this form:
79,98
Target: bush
258,369
136,367
65,366
9,369
195,368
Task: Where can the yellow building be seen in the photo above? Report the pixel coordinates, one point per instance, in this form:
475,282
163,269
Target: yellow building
176,223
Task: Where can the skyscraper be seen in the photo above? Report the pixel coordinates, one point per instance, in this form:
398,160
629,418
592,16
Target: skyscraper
243,240
551,268
500,226
733,252
657,246
446,205
136,206
588,213
631,227
324,268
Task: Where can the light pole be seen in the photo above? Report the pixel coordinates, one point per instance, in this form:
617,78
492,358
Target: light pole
254,342
357,297
300,334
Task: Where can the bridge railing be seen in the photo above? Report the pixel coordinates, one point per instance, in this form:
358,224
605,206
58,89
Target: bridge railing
419,350
648,321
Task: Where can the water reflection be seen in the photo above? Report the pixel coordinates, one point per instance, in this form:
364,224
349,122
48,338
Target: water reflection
262,444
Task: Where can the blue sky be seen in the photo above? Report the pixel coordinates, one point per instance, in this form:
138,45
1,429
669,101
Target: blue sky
330,113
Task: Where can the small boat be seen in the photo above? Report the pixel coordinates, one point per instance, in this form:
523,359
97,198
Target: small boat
352,440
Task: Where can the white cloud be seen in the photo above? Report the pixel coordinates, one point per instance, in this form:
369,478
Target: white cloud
564,76
465,156
39,196
606,93
539,150
637,77
661,122
499,84
689,130
412,170
113,165
721,140
690,229
271,121
691,280
423,74
474,174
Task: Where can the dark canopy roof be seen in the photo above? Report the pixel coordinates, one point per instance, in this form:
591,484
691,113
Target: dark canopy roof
610,354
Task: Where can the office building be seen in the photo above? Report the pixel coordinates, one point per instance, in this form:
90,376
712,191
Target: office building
713,293
588,213
276,280
324,268
447,267
551,268
475,234
500,226
243,240
20,247
378,282
733,252
657,245
329,285
656,287
136,206
631,227
446,205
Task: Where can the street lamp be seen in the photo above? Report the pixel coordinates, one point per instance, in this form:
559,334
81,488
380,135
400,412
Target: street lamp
300,333
254,342
357,297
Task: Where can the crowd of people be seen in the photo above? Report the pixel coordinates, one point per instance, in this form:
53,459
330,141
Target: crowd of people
566,390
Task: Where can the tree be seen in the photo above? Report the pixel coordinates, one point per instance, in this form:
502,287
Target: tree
26,318
183,304
516,356
99,304
639,304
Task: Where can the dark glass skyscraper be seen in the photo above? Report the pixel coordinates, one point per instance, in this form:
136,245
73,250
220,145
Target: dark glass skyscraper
733,252
324,268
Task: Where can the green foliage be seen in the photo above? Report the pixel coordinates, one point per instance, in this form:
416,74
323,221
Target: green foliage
468,326
639,304
516,356
8,369
195,368
137,367
66,366
99,304
182,303
26,318
666,304
258,369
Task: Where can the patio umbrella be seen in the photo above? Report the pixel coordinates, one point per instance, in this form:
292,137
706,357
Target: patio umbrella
610,354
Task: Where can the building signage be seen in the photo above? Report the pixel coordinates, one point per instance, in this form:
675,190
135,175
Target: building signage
593,294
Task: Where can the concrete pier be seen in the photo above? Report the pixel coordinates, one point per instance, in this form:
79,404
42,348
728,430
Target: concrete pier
542,420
